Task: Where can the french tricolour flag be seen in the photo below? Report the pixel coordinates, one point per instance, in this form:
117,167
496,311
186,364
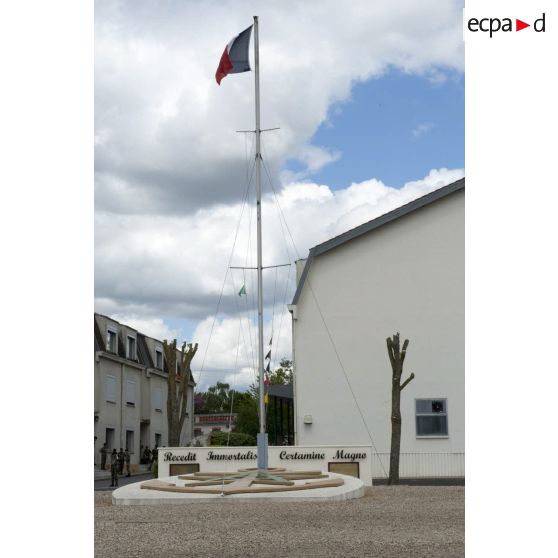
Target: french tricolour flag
235,57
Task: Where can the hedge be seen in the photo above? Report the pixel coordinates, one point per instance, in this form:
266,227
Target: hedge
234,439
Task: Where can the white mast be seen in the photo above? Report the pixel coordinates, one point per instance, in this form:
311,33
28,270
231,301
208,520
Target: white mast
262,436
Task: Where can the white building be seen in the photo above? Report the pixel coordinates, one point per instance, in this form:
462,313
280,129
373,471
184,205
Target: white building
206,423
402,272
131,391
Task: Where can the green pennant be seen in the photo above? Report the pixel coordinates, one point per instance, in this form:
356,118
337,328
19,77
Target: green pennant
242,291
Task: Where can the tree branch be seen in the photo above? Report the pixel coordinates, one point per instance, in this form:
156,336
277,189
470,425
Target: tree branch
390,353
396,353
404,351
407,381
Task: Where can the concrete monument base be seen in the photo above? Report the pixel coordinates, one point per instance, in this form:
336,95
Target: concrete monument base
135,495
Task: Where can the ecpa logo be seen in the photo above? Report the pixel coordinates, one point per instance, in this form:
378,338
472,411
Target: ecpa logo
494,24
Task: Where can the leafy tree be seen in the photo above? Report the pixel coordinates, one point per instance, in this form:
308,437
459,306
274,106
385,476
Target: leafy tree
218,398
232,439
283,375
199,403
247,420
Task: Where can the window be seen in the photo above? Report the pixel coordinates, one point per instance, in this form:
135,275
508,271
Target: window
432,417
110,388
131,348
111,341
158,439
159,359
130,440
109,438
130,393
158,399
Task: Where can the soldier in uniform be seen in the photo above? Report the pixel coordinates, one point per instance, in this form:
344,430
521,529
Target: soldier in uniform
147,456
104,451
127,462
120,461
114,468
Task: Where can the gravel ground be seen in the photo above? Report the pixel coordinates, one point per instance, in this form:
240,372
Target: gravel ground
389,522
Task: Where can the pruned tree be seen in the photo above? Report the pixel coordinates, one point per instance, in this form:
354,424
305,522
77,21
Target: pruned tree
397,358
177,381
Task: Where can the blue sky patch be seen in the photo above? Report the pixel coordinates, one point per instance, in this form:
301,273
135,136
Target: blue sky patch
395,128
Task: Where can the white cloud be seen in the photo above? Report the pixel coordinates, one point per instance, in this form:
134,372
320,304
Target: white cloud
165,132
174,266
168,176
229,349
422,129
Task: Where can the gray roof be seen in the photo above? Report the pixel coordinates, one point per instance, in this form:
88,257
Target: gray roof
281,391
375,224
143,354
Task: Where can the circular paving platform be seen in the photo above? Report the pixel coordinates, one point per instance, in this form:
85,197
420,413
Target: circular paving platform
242,485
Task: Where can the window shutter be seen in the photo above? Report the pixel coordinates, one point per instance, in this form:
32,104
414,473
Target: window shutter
158,397
131,392
110,388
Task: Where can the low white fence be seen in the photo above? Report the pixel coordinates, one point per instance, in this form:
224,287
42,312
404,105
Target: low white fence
421,465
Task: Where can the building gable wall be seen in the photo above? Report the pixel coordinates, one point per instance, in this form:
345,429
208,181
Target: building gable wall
406,276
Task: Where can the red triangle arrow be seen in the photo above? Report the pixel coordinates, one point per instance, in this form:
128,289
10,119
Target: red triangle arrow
519,25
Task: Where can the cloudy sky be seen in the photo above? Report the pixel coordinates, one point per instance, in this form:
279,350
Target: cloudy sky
369,99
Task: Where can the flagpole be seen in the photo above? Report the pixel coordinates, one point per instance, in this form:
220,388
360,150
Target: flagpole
262,436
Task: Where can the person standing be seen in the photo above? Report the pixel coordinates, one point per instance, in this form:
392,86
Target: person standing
114,468
120,461
127,462
104,451
147,456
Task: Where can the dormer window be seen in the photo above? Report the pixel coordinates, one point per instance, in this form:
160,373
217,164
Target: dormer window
159,358
131,348
111,340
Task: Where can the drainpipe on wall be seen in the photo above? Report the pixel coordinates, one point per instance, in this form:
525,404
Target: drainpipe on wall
293,310
121,400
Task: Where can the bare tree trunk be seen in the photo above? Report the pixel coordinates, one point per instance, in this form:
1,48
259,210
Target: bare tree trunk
177,382
395,434
397,358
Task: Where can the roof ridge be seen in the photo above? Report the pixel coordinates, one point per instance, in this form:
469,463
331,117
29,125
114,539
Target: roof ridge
375,223
403,209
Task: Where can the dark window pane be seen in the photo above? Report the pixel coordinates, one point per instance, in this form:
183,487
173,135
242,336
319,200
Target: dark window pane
432,426
428,406
439,406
